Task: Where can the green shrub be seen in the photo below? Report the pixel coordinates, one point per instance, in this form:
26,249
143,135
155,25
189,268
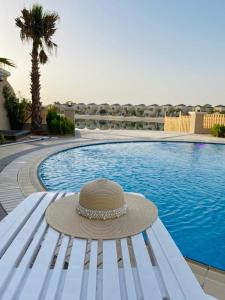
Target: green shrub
218,130
58,124
18,110
2,138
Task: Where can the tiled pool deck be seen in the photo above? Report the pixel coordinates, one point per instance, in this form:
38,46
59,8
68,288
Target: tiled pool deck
18,177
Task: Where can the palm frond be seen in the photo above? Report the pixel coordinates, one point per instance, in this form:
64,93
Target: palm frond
49,28
43,57
24,23
37,25
6,61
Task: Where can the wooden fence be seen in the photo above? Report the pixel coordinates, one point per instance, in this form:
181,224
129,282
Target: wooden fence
211,119
195,123
178,124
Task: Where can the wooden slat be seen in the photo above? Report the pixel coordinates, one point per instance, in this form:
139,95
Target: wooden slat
57,272
18,212
38,274
172,285
150,287
43,260
111,286
54,282
12,224
129,279
20,243
181,270
74,274
92,274
19,273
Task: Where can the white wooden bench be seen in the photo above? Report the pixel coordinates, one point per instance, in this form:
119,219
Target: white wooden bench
37,262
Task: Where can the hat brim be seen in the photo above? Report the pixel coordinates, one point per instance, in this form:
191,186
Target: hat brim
63,217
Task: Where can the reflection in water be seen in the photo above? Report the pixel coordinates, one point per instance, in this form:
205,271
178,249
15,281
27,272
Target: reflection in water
105,124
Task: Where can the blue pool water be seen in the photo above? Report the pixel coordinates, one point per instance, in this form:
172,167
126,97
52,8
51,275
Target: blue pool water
185,180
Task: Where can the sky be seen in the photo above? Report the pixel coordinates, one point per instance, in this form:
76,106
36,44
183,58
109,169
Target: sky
125,51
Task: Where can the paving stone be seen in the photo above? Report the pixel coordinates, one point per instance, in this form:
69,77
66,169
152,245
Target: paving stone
214,288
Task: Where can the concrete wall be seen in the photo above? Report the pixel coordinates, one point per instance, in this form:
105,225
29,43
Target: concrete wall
4,122
67,112
197,123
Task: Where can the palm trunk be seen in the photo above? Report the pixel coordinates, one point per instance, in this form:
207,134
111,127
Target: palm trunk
35,90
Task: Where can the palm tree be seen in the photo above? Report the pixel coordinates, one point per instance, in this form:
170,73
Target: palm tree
6,61
39,27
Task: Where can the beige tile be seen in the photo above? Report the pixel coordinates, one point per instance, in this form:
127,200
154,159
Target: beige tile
200,279
198,269
214,288
216,275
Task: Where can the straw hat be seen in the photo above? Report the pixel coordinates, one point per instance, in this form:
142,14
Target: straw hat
101,211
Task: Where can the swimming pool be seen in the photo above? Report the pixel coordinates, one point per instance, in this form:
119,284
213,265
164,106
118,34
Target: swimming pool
185,180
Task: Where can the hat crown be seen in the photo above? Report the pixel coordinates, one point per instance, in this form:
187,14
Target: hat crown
102,194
